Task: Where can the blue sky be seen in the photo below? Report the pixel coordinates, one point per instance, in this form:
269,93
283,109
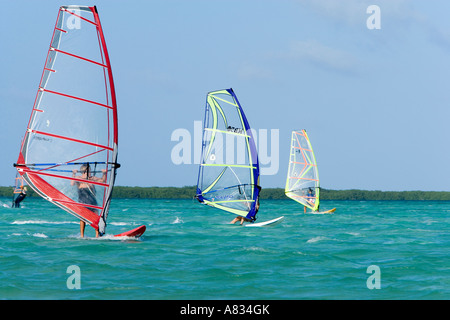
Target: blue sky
375,103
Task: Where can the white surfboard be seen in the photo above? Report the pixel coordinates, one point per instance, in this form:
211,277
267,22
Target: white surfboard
322,212
266,223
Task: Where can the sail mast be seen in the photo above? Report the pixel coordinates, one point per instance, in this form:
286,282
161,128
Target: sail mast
104,213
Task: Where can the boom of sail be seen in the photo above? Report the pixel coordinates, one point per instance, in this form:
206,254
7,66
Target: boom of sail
228,176
302,183
69,152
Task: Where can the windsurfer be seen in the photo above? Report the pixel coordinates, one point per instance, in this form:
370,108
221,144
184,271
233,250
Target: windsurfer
242,219
86,191
20,197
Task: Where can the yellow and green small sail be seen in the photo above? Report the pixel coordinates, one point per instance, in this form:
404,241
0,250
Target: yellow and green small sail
302,183
229,170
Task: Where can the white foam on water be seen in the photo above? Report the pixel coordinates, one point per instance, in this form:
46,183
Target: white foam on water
42,222
177,220
39,235
316,239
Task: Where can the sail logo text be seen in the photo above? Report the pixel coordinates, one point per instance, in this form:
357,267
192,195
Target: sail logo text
229,149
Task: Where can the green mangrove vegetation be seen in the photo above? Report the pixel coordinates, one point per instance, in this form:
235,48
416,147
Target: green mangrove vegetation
188,192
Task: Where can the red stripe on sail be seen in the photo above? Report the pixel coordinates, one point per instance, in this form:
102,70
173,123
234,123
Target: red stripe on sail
78,204
71,139
78,57
27,170
309,164
61,30
77,98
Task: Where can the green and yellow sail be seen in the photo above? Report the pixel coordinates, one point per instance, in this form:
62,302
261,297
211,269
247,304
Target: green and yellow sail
302,183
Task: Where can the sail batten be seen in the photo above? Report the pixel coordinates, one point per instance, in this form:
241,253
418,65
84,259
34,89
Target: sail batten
69,152
70,139
77,98
64,177
79,57
229,169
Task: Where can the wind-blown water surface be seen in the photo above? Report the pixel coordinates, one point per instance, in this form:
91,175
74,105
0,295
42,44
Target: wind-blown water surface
189,251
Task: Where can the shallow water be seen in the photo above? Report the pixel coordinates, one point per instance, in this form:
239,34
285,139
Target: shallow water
189,251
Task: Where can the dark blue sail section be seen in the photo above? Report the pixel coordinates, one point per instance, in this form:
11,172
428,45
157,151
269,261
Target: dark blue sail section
255,162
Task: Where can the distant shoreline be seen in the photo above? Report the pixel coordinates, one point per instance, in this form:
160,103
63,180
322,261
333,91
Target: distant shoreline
188,192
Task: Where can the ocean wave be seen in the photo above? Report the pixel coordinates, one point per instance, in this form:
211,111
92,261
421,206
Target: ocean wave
257,249
177,220
62,222
119,223
316,239
39,235
42,222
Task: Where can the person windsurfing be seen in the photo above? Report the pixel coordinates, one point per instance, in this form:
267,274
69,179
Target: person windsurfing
243,219
20,197
310,197
86,191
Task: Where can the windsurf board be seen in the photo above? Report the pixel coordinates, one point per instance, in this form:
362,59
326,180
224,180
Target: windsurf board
139,231
323,212
266,223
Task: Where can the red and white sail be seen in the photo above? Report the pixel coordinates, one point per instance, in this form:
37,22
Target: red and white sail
74,120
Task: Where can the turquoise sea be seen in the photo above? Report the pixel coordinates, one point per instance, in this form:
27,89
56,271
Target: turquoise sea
189,251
